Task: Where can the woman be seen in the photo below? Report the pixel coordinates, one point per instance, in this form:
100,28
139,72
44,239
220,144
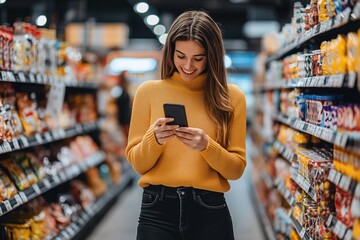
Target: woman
185,170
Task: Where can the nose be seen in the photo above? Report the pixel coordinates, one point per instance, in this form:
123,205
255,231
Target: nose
187,64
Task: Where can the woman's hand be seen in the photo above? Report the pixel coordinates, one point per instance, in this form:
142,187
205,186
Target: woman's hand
164,132
194,138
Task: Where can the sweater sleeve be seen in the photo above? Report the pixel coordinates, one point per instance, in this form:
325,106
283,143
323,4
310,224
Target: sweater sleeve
231,162
142,150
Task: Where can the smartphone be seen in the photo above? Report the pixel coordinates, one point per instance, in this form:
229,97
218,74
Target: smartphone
176,111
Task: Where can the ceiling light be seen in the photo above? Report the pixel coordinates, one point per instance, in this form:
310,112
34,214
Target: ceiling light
256,29
2,1
162,38
141,7
41,20
159,29
133,65
238,1
227,61
152,19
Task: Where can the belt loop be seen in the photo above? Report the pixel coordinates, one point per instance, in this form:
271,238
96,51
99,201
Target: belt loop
162,193
193,190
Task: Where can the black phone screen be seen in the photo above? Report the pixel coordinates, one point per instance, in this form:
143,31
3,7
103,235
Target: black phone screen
176,111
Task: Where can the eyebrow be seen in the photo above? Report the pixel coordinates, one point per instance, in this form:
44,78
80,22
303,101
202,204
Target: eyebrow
196,55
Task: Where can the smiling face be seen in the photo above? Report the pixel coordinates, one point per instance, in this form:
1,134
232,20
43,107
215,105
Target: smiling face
189,59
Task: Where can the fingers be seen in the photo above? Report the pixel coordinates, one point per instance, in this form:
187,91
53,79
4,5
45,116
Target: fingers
164,132
192,137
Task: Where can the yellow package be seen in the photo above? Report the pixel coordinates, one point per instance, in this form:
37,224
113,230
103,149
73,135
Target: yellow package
17,231
38,227
352,50
325,52
356,230
340,59
326,9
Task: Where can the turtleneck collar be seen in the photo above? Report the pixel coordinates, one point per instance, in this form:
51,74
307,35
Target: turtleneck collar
195,85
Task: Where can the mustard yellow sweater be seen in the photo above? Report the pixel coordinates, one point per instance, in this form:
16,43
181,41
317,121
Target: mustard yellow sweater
173,164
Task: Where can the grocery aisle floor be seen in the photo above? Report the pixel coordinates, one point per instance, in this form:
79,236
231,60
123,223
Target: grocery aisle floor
121,220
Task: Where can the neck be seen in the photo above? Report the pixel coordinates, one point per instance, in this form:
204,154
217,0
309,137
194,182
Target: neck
195,85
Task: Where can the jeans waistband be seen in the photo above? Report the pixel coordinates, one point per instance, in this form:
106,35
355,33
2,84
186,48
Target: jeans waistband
173,192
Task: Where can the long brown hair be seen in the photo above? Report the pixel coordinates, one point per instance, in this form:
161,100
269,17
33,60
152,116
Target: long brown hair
200,27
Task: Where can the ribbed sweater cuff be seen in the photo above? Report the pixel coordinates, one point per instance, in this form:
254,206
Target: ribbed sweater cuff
150,138
211,149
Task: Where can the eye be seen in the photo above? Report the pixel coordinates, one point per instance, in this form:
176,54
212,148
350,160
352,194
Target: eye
198,59
181,57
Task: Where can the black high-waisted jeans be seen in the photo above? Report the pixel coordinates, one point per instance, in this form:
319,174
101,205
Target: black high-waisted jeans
183,214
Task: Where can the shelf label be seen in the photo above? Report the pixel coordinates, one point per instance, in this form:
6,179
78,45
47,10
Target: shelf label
47,183
23,197
7,205
36,188
39,138
357,191
32,77
3,75
348,235
11,77
337,228
22,77
48,137
329,220
337,178
18,199
16,144
24,141
56,178
332,175
302,232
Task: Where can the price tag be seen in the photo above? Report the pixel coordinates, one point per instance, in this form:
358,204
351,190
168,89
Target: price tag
22,77
346,15
342,231
7,147
24,141
56,134
332,175
302,232
45,78
71,231
23,197
62,133
329,220
36,188
337,178
357,191
39,78
47,183
356,10
16,144
66,234
337,228
48,137
56,178
7,205
4,76
347,183
18,199
348,234
11,76
39,138
1,212
306,185
62,176
79,128
32,77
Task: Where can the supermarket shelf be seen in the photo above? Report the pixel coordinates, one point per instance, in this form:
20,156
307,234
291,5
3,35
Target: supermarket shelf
267,179
50,182
339,228
77,229
344,182
31,78
345,19
304,184
285,151
287,195
331,81
345,140
300,229
269,231
22,142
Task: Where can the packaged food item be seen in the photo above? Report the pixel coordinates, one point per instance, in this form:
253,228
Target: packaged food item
18,231
317,64
7,187
326,10
27,111
15,173
94,181
24,162
343,201
314,13
82,194
338,59
353,52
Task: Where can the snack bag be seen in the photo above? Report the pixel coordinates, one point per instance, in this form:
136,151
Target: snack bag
27,111
7,188
15,173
